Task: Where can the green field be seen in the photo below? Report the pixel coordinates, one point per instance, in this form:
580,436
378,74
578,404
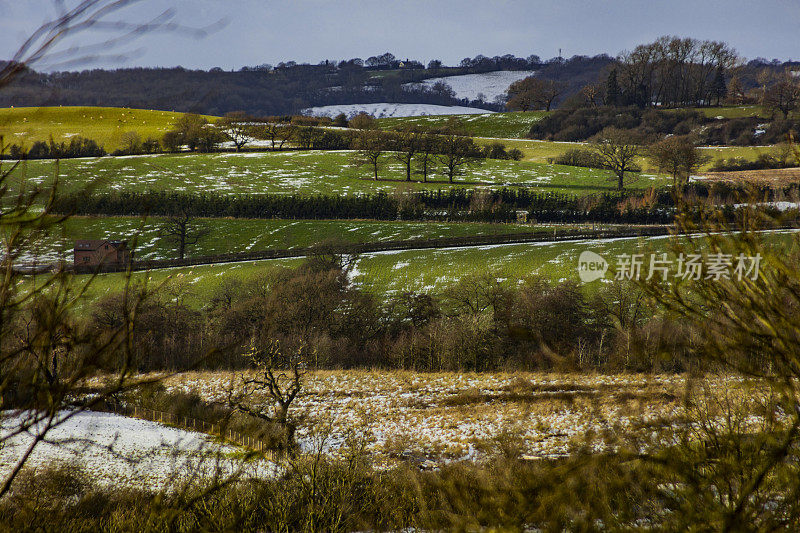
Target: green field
241,235
513,128
503,125
313,172
743,111
25,125
541,151
293,172
379,273
422,270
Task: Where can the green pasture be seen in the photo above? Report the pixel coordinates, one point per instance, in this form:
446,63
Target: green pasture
25,125
514,125
227,235
388,272
421,270
295,172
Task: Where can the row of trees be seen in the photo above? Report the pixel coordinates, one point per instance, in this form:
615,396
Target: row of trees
419,150
675,72
629,206
76,147
387,60
422,152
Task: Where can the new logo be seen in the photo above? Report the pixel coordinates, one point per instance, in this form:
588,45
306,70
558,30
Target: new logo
591,266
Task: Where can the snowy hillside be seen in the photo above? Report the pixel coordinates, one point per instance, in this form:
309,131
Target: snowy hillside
490,84
381,110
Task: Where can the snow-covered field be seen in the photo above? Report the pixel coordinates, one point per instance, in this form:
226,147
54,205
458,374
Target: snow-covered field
489,85
452,416
382,110
426,418
114,449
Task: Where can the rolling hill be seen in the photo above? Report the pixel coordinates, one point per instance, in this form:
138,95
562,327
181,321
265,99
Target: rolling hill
106,125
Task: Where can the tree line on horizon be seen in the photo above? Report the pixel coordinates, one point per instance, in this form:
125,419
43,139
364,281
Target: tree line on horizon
670,72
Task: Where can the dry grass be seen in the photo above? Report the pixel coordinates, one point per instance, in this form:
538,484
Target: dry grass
771,177
450,416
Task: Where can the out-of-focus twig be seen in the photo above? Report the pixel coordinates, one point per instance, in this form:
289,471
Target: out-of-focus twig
105,16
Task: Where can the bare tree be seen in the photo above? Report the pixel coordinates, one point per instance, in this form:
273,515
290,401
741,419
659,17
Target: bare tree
181,230
783,94
131,142
456,154
370,147
425,156
276,133
195,132
279,376
533,93
362,121
307,136
237,125
408,144
592,94
617,152
677,155
520,95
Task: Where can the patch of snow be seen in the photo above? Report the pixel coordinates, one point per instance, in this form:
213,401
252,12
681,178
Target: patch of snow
489,84
117,449
780,206
383,109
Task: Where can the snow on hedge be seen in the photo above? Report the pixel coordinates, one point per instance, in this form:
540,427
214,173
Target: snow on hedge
489,84
381,110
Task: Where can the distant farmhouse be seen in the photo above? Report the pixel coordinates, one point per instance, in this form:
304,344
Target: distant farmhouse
89,254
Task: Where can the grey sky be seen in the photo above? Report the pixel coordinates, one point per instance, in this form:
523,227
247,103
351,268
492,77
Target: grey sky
268,31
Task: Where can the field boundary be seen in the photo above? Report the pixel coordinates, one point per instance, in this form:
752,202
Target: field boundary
360,248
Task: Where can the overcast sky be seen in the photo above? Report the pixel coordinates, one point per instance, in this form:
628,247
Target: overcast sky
270,31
